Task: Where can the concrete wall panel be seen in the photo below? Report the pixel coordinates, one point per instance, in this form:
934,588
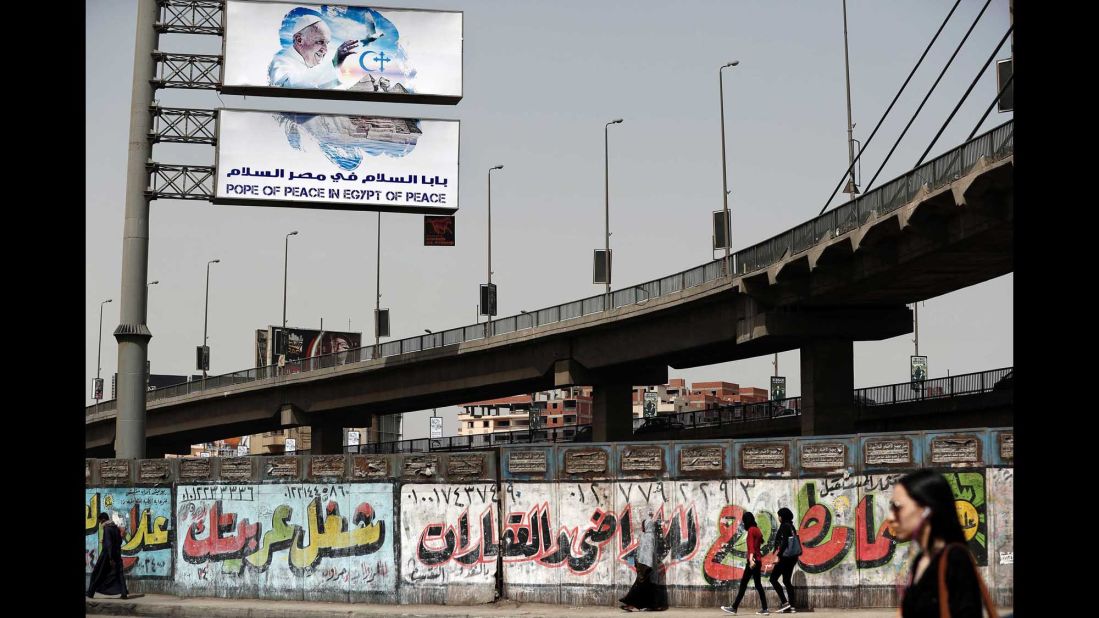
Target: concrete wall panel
449,543
300,541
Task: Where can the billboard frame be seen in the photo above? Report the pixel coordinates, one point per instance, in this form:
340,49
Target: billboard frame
434,210
346,95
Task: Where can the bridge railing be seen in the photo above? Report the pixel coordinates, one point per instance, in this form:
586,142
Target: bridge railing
937,388
995,144
890,394
727,414
564,433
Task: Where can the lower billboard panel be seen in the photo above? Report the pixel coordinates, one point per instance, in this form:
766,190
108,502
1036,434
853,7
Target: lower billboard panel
337,162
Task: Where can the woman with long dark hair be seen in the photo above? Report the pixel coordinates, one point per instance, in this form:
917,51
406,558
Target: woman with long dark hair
753,566
788,550
944,580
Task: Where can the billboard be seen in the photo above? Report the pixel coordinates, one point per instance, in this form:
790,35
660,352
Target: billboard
296,344
1004,69
262,353
439,231
778,387
918,368
652,400
436,428
337,162
342,52
488,299
721,231
602,266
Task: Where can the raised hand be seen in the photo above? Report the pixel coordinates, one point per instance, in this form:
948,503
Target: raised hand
345,49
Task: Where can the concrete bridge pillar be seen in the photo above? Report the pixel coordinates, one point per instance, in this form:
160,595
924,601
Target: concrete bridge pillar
612,412
326,439
827,379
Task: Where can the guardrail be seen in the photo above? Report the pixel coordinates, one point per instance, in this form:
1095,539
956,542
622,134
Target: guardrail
890,394
938,388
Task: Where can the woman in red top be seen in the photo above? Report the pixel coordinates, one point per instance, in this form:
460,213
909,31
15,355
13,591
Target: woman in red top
753,567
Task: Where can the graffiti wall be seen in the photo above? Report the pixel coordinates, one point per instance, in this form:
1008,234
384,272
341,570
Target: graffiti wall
307,541
383,538
144,515
1001,487
575,543
449,542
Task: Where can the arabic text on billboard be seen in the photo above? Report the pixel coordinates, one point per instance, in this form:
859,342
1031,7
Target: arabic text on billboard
346,52
337,162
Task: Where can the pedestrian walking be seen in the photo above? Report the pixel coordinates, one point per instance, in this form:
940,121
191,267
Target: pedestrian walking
107,573
753,566
787,548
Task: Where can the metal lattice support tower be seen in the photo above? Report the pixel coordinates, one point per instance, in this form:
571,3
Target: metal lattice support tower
199,71
180,182
190,16
185,126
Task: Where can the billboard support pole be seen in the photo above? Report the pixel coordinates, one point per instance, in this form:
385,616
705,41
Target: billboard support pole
132,333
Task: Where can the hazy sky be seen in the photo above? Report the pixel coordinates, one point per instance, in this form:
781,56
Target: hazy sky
540,81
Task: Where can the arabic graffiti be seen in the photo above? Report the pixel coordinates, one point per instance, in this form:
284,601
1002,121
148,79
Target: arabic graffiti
144,517
529,537
972,506
827,534
224,538
547,526
449,532
437,547
1001,496
342,537
284,534
590,533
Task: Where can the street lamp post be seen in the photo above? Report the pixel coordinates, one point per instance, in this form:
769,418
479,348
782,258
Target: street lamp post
488,310
285,268
851,189
205,316
724,174
147,286
607,206
99,358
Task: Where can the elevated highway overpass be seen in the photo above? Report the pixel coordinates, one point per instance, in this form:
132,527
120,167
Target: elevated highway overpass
841,277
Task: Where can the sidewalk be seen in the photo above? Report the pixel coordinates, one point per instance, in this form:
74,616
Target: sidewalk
178,607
